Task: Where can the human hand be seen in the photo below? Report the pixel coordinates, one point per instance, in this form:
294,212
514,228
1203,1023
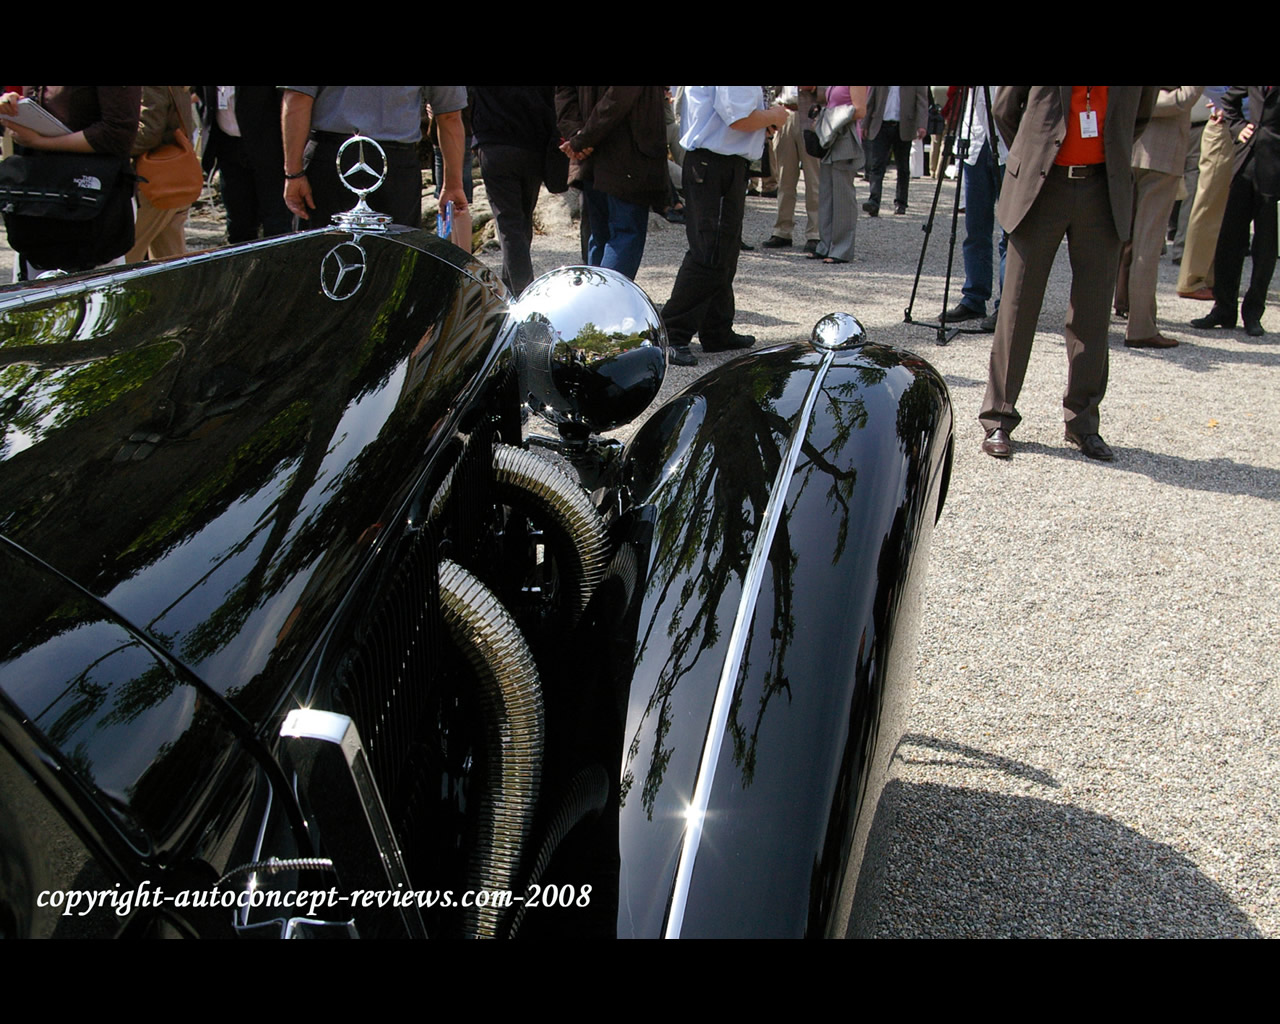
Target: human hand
297,196
9,104
456,195
573,154
1246,133
24,136
921,133
778,116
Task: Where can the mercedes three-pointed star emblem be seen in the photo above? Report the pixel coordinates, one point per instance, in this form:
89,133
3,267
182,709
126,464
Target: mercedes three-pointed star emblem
361,166
342,271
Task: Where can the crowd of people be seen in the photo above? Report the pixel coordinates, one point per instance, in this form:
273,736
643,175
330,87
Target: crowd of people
1118,171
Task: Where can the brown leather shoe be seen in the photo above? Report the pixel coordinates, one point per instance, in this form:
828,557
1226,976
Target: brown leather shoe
1203,294
997,443
1155,341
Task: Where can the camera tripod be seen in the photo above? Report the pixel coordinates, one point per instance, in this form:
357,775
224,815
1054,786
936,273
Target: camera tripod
960,148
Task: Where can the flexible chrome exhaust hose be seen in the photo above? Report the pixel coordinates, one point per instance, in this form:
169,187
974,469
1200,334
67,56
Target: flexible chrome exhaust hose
558,497
511,706
586,795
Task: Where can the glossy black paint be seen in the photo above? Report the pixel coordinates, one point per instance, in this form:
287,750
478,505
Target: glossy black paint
211,475
211,450
814,706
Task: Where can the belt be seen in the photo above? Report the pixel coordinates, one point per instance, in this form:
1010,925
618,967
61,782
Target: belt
722,156
337,139
1078,170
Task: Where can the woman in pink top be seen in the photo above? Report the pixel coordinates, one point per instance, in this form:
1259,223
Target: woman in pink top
838,203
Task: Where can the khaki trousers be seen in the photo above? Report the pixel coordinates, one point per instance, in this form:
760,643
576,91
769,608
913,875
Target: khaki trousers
1153,194
1216,151
790,159
161,233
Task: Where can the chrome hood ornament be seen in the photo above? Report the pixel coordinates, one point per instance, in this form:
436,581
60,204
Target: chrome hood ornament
361,217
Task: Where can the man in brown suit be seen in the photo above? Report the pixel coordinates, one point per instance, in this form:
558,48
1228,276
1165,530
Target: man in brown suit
1068,174
1159,158
897,115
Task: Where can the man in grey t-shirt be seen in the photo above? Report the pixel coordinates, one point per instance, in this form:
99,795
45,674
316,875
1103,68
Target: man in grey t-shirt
389,114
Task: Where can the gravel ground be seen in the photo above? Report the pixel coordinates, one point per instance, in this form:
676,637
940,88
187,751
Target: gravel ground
1090,745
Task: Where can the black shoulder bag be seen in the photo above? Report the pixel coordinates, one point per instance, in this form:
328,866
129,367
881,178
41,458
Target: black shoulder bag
69,211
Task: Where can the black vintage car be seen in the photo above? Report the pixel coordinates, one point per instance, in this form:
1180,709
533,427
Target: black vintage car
312,629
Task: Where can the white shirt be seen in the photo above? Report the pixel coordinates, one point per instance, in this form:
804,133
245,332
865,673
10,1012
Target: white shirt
977,135
709,110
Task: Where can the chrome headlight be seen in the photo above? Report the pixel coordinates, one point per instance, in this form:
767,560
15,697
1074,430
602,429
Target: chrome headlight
592,349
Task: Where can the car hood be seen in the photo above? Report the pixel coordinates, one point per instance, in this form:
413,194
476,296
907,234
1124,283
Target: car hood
211,447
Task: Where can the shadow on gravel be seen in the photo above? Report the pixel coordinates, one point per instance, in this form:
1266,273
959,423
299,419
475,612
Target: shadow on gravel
1197,354
1224,476
954,381
951,753
959,862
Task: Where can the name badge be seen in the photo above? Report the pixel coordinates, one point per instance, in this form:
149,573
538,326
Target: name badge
1088,124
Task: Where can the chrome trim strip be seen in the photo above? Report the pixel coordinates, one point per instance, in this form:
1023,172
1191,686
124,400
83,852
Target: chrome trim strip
696,814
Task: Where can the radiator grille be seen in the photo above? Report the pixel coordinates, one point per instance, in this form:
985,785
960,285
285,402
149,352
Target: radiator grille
400,678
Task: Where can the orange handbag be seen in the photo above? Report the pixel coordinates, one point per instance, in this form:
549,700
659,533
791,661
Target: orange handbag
169,175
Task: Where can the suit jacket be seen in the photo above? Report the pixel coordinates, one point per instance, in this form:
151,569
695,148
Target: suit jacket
258,115
625,127
165,110
913,103
1260,156
1163,146
1033,121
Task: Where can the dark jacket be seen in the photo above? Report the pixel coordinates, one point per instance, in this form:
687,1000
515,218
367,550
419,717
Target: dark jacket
1260,156
624,126
107,114
258,115
513,115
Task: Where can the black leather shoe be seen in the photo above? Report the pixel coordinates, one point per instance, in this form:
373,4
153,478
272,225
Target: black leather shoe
811,245
733,342
997,443
989,323
776,242
870,211
742,244
679,355
899,210
1091,445
1214,318
1253,328
961,313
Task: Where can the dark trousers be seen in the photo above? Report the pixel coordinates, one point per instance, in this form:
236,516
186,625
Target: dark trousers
1081,210
1245,205
887,141
253,198
399,196
512,180
715,198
